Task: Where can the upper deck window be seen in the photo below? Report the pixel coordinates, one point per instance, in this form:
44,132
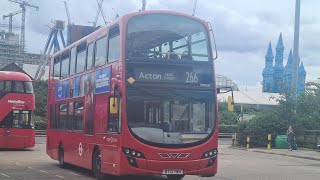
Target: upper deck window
166,36
81,57
101,52
73,61
65,60
56,66
114,44
29,87
90,56
18,87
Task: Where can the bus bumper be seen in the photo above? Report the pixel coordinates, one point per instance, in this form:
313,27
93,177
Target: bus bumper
201,167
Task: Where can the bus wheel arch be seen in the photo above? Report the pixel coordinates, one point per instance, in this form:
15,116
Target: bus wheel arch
96,163
62,163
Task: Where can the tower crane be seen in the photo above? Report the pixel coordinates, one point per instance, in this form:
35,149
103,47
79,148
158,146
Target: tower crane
23,5
10,18
100,10
6,25
51,44
67,11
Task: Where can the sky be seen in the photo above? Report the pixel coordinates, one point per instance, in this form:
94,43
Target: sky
243,29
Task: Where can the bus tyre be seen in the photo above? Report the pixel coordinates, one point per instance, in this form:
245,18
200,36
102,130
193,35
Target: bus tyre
175,177
96,165
62,164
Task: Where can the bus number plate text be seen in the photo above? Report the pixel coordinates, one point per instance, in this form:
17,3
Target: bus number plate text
172,171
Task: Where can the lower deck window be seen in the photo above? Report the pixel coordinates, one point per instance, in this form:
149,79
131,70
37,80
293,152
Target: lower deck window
17,119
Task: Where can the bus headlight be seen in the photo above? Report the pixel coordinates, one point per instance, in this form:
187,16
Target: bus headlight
210,154
132,153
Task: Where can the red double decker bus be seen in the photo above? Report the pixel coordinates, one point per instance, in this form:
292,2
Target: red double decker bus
17,101
136,97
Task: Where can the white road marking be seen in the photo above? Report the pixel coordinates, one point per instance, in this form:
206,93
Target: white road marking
7,176
60,176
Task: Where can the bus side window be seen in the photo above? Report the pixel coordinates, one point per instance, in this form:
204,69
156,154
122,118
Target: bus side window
2,92
7,86
63,109
114,44
90,57
18,87
73,61
78,115
65,61
56,67
81,57
70,117
100,52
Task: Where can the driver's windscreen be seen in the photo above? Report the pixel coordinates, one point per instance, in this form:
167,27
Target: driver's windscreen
170,116
166,36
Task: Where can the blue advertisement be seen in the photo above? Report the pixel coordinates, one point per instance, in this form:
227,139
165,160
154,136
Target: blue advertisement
62,90
76,87
102,83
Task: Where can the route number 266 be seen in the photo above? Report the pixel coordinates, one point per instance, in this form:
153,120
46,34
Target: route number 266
192,77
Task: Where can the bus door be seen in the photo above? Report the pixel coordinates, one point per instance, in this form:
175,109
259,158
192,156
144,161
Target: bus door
112,138
18,134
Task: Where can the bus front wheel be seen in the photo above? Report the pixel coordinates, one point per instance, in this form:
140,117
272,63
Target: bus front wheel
62,164
175,177
96,165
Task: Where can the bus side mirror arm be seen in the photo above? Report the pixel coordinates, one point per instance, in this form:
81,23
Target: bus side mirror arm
213,41
230,98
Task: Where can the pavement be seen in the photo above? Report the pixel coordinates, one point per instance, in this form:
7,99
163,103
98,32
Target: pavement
234,164
300,153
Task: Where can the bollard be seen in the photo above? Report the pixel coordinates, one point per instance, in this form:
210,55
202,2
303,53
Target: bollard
233,139
248,142
269,142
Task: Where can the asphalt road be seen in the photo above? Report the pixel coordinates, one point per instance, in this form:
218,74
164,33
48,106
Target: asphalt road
233,165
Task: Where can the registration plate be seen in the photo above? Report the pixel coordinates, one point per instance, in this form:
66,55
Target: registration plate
172,171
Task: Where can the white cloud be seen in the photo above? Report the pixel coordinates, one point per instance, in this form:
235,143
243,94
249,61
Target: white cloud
243,28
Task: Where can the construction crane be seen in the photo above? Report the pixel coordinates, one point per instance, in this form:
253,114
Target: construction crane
143,5
23,5
67,11
194,7
6,25
94,23
52,43
10,18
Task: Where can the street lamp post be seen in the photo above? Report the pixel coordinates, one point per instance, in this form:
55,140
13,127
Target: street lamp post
296,49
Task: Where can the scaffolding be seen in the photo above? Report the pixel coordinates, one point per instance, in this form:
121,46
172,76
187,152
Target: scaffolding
10,49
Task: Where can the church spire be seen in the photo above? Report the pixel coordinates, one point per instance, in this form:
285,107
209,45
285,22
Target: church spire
267,73
290,61
301,79
269,56
278,67
301,70
280,46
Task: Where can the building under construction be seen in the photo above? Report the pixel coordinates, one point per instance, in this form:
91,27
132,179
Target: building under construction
11,51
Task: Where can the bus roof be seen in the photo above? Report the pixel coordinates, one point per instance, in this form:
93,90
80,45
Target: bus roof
14,76
127,16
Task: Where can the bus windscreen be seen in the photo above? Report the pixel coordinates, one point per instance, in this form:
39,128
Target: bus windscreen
166,36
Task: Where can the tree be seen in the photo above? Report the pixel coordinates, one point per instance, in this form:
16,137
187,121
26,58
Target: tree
41,92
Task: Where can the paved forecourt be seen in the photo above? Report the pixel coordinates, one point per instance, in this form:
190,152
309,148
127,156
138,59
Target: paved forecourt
234,164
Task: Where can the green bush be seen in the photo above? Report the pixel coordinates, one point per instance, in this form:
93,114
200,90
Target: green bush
226,117
41,92
227,128
302,113
40,123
